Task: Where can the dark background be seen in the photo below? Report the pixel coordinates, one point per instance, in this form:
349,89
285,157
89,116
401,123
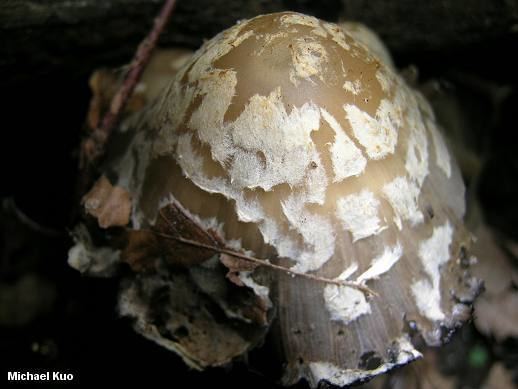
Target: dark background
50,316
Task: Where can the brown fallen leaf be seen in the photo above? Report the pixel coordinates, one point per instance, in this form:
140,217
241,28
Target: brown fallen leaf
103,84
255,308
187,237
176,222
236,265
110,205
141,250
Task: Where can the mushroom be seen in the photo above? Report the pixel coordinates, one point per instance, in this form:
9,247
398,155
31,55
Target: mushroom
285,139
364,35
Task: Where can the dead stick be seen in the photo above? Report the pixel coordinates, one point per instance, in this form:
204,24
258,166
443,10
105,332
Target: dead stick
93,147
263,262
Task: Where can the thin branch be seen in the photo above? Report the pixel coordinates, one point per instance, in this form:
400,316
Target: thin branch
266,263
93,147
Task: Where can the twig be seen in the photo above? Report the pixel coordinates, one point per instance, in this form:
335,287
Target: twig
93,147
263,262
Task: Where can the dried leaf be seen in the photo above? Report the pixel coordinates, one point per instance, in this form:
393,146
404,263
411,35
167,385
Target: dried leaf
236,265
175,222
141,251
179,224
256,309
104,84
110,205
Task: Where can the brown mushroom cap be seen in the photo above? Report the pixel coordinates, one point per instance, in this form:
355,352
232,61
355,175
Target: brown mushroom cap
364,35
295,143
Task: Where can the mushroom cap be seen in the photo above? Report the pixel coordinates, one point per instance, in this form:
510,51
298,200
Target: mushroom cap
363,34
295,143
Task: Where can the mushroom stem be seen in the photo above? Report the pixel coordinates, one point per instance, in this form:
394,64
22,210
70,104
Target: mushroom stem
266,263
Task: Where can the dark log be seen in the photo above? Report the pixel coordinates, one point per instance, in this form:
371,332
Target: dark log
42,36
409,26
